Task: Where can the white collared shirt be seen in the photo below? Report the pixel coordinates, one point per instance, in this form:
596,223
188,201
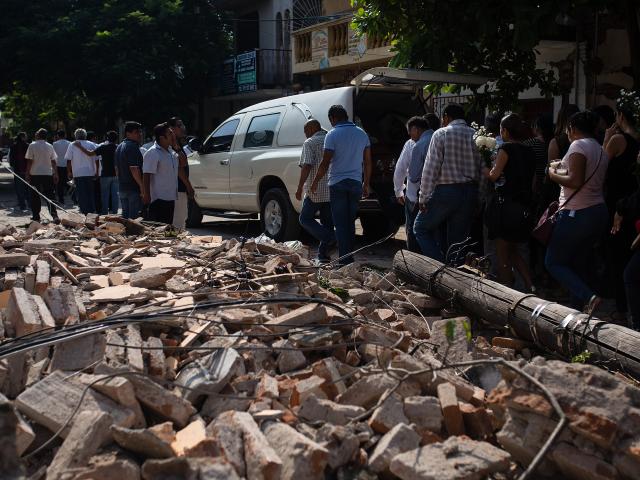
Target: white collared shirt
41,154
163,166
402,171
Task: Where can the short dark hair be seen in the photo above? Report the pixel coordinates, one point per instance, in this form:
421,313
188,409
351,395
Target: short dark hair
564,114
454,111
41,134
606,113
130,127
91,134
585,122
514,124
492,123
61,134
628,115
418,122
173,121
433,121
160,130
338,112
112,136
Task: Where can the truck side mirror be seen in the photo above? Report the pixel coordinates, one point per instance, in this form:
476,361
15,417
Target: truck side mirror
195,144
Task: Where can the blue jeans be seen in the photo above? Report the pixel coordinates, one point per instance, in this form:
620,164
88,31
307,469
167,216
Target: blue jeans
345,197
572,242
85,191
632,287
131,203
447,220
109,191
323,231
410,213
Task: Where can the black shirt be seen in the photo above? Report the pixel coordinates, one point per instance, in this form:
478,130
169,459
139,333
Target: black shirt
128,155
107,152
518,172
181,186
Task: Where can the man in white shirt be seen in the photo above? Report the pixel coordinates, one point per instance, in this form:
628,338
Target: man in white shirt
160,176
61,145
82,169
42,173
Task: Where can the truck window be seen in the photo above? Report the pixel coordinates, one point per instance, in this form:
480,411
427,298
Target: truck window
261,131
220,140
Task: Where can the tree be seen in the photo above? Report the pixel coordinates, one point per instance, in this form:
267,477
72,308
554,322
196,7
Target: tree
97,61
496,39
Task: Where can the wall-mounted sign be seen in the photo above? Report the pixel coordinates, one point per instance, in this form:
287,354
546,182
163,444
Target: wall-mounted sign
320,48
239,74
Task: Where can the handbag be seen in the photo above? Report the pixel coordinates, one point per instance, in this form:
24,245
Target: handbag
544,229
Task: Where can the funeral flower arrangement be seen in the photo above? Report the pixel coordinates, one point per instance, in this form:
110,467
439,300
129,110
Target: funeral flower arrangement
485,142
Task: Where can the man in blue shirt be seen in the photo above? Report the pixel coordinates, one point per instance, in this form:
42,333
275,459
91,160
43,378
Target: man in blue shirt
346,150
129,170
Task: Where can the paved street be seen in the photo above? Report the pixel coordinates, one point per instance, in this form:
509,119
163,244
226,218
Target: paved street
380,255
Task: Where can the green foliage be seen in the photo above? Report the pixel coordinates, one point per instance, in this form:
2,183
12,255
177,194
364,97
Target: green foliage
467,330
495,39
581,357
450,330
97,61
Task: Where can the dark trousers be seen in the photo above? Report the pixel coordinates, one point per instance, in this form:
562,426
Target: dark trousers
131,202
44,184
323,231
410,213
22,191
162,211
345,197
61,187
632,287
85,191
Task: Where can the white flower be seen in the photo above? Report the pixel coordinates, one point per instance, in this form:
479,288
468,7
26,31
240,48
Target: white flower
490,142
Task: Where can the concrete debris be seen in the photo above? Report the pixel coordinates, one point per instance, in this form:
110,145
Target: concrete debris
199,371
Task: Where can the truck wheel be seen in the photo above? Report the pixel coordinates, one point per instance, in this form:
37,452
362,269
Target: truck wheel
194,214
376,226
277,216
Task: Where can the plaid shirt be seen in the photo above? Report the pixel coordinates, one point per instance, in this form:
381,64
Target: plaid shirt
452,158
312,150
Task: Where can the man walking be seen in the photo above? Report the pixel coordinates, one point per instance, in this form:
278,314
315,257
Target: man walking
105,164
318,201
129,170
449,186
185,190
18,163
82,169
409,166
42,174
61,145
346,149
160,174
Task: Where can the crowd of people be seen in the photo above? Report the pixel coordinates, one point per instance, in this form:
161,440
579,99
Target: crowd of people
102,178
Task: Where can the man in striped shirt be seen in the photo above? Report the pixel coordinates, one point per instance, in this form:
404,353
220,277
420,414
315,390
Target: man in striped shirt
317,201
449,186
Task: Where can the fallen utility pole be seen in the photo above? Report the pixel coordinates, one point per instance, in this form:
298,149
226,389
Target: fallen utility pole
550,325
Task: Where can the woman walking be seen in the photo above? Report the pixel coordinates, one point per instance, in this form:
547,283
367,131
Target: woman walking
583,217
509,215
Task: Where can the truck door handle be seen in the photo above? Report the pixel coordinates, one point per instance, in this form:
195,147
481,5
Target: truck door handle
224,162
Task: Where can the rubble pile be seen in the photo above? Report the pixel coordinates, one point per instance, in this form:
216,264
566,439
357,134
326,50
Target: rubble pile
240,359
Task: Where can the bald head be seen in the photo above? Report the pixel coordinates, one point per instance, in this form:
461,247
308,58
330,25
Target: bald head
312,127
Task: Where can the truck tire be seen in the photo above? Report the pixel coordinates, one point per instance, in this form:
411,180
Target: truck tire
278,219
194,214
376,226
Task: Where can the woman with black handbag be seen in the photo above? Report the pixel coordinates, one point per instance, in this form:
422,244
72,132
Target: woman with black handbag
582,218
508,215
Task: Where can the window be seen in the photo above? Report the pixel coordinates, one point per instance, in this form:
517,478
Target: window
261,131
220,140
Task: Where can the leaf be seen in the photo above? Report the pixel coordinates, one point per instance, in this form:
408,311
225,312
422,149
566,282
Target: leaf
467,330
449,330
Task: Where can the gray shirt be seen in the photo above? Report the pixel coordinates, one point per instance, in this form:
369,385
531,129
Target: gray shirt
163,167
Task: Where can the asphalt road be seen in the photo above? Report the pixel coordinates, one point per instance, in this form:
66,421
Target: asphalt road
379,255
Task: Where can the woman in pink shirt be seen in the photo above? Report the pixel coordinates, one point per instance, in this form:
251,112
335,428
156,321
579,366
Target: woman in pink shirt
583,218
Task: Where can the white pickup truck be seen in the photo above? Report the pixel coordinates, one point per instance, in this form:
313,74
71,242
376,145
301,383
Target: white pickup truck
249,164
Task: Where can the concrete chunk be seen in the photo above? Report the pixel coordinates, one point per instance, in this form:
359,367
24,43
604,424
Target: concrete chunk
450,409
315,409
145,442
10,260
401,438
151,277
162,401
301,457
193,441
425,412
388,415
312,313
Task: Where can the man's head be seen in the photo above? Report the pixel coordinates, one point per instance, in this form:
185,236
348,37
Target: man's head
80,134
91,136
416,126
312,127
163,135
41,134
61,134
133,131
21,137
337,113
178,127
112,136
452,112
433,121
492,123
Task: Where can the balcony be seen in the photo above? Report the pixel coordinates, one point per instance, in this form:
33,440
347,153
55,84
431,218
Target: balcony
256,70
334,45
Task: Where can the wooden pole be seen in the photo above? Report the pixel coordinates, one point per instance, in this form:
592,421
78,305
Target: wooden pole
550,325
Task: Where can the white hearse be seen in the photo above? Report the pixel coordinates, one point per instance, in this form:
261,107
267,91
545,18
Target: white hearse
249,164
